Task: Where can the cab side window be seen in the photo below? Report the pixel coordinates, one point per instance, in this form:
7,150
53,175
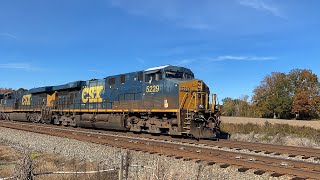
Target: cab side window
149,78
112,81
153,77
140,76
123,79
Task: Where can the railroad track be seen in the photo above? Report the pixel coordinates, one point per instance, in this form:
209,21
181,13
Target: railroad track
291,151
203,151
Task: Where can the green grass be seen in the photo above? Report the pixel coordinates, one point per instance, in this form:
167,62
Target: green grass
272,130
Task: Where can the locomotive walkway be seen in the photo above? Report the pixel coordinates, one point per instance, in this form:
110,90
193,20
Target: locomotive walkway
192,150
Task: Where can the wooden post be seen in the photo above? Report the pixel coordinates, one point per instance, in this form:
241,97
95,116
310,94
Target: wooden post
121,168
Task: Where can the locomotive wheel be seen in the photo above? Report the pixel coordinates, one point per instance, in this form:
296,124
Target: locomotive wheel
7,117
55,119
35,118
38,118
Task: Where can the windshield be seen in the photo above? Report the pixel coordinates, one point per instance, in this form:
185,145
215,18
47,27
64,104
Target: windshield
178,75
188,76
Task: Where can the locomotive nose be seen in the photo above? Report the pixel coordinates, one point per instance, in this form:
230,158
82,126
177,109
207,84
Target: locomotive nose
194,95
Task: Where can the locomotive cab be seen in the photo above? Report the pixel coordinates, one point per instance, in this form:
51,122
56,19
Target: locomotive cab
178,89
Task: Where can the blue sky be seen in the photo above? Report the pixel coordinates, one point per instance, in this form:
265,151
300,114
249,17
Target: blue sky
230,44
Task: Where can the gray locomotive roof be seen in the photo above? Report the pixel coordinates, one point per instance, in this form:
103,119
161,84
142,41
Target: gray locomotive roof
71,85
167,67
45,89
78,84
157,68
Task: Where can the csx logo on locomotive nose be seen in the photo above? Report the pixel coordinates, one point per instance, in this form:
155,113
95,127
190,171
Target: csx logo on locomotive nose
92,94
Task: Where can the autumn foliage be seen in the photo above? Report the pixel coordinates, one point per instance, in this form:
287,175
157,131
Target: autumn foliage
285,96
5,90
237,107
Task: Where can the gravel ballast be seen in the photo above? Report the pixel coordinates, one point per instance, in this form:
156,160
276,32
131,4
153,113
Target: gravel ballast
154,166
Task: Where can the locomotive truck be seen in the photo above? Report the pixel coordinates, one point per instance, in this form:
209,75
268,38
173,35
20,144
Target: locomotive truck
160,100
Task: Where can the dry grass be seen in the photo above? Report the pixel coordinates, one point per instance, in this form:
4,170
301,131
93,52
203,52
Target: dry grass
272,130
8,154
283,134
8,159
52,162
15,163
6,170
260,121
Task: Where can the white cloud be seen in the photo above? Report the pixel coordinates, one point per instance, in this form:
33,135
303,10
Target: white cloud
8,35
262,6
184,62
178,12
96,71
204,15
140,60
243,58
19,66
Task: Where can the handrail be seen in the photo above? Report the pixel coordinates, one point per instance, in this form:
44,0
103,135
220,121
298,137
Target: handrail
183,100
190,103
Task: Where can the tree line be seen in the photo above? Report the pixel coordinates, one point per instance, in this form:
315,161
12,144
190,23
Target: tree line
280,95
5,90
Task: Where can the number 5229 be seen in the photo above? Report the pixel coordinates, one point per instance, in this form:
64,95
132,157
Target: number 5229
152,89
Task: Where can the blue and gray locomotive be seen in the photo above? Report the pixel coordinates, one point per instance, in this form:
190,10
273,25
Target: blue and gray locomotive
160,100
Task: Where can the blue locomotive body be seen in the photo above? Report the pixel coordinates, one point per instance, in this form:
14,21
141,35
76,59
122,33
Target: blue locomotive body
164,99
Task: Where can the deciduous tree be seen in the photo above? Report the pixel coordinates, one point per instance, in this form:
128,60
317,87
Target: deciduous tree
305,90
237,107
272,98
281,96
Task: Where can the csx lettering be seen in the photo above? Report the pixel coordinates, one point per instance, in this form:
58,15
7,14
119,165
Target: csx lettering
26,100
92,94
152,89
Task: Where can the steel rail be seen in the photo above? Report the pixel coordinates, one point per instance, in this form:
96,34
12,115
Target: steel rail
291,150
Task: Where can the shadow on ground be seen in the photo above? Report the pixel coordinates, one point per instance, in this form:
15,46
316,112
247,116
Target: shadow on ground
224,135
